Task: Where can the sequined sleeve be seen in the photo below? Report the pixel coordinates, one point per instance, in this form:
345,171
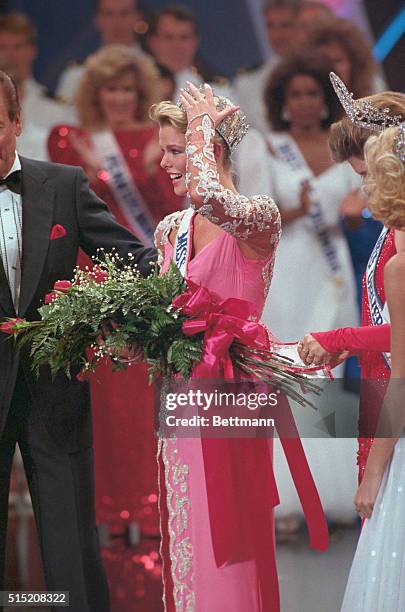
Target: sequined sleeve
255,221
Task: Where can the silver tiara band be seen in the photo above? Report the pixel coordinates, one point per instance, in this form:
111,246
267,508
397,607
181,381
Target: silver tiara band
399,143
361,112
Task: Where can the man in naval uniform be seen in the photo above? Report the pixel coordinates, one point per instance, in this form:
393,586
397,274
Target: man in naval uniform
18,50
173,41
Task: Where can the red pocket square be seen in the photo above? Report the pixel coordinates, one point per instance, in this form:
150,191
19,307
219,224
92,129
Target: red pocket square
58,231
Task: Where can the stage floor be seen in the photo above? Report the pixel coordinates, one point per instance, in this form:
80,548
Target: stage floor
311,581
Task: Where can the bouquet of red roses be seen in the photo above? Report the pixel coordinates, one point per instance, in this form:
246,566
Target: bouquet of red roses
178,326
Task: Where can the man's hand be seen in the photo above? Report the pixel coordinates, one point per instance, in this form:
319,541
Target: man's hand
125,355
312,353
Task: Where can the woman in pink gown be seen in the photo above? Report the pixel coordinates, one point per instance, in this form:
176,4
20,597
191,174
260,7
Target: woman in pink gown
218,495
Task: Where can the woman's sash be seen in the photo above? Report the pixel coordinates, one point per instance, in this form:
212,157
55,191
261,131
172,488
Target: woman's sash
122,185
183,245
289,154
378,310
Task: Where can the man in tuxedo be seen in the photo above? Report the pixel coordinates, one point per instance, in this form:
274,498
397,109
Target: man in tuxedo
46,213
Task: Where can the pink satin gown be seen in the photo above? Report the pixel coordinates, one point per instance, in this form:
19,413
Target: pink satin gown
217,499
196,579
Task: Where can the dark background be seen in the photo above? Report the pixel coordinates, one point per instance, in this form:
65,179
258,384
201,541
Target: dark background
66,33
227,35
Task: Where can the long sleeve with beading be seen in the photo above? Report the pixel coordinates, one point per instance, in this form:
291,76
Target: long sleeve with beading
254,221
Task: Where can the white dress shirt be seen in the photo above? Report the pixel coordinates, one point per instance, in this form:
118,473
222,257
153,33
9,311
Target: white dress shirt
11,235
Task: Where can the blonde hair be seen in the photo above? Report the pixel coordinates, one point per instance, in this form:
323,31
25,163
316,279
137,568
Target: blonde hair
347,139
385,180
109,63
168,113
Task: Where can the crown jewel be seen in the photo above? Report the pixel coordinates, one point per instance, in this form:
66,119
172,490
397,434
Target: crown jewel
399,143
234,127
361,112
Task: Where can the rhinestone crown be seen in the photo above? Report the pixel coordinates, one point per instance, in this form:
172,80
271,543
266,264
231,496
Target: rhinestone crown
361,112
399,143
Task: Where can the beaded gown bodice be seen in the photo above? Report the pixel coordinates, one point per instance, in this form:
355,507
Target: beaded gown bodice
221,265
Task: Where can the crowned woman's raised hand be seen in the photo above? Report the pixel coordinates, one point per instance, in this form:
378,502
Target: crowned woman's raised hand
197,104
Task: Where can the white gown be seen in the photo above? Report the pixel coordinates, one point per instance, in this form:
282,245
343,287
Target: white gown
377,576
303,298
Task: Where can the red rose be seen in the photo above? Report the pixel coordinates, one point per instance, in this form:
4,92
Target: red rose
62,285
58,231
9,326
83,376
99,275
50,297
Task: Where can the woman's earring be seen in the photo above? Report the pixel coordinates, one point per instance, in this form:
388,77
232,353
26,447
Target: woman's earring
324,113
285,115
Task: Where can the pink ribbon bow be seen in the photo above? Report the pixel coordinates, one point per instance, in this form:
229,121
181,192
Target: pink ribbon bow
222,322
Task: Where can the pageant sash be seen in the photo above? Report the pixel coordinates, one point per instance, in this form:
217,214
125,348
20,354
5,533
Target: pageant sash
121,183
288,153
183,245
378,310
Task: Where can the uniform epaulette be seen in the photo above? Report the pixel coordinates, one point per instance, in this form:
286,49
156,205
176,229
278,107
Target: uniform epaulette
248,69
55,98
74,63
219,79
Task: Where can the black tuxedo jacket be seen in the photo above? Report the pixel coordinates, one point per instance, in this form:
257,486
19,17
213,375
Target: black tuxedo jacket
56,194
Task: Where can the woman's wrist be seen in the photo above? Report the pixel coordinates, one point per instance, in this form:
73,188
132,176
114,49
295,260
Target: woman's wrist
203,114
374,470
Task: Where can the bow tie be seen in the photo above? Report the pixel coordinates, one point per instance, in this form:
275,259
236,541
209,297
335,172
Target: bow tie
13,181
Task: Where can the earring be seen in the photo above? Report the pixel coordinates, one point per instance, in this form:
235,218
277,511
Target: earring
324,113
285,115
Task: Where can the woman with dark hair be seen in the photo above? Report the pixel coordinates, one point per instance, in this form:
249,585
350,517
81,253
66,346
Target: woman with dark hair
310,188
278,97
313,270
